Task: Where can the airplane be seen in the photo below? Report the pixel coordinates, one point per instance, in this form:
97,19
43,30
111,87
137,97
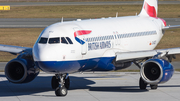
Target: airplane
103,44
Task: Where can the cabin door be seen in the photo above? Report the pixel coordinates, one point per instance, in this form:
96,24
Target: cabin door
116,39
79,37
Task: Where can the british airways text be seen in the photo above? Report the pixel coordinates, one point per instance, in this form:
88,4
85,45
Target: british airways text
99,45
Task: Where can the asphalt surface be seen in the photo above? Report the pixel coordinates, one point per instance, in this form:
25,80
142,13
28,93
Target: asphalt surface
44,22
83,3
98,86
30,22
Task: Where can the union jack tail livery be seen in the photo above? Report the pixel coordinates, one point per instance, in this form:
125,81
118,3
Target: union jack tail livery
150,8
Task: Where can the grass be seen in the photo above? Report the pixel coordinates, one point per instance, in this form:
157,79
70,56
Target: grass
88,11
17,36
170,40
177,70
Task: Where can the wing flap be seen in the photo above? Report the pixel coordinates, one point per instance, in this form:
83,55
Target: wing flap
13,49
136,55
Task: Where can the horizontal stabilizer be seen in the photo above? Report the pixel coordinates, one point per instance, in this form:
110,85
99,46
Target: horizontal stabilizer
171,27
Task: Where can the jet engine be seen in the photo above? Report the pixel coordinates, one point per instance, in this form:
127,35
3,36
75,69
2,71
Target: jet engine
21,71
156,71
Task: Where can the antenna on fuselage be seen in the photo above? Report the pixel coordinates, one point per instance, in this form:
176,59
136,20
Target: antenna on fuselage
62,20
116,14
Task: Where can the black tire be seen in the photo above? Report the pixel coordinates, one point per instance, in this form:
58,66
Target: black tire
154,87
142,84
61,91
67,83
54,82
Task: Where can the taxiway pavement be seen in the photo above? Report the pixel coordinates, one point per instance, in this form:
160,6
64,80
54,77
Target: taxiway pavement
44,22
82,3
98,86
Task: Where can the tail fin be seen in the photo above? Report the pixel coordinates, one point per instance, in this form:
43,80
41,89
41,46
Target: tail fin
150,8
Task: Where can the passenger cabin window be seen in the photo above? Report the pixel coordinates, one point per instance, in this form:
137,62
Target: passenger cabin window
54,40
43,40
69,40
63,40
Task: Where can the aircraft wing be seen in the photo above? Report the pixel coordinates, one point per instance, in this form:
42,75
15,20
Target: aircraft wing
138,55
171,27
13,49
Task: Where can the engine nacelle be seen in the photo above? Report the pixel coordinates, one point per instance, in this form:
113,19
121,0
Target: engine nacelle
21,71
156,71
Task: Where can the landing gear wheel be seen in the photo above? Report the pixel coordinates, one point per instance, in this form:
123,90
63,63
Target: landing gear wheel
142,84
63,84
67,83
154,87
61,91
54,82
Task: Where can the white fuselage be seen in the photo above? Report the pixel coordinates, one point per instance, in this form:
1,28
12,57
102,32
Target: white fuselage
107,36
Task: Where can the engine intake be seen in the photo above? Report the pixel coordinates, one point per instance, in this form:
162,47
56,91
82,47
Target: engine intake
155,71
20,71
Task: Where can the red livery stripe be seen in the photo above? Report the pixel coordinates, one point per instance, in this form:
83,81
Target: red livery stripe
151,11
81,32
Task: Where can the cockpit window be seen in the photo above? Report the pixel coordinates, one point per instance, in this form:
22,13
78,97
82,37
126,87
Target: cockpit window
63,40
69,40
43,40
54,40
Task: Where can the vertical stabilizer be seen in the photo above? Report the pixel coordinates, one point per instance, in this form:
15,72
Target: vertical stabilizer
150,8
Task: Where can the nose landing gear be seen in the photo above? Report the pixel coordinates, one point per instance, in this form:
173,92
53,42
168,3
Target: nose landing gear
60,82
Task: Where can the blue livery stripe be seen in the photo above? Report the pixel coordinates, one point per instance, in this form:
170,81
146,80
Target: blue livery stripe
79,40
95,64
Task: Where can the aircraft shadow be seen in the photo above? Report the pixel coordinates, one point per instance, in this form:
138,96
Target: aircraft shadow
43,84
118,89
2,75
38,85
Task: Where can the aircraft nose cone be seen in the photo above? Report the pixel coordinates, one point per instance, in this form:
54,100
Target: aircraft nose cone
45,53
46,58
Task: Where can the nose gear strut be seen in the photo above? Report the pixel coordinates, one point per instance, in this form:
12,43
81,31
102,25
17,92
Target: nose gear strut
60,82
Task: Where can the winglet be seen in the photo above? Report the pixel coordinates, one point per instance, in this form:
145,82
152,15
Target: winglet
150,8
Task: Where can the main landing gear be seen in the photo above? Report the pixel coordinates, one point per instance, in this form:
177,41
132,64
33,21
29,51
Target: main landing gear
60,82
143,85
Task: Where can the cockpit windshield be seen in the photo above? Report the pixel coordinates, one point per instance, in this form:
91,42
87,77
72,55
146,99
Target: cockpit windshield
63,40
69,40
43,40
54,40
